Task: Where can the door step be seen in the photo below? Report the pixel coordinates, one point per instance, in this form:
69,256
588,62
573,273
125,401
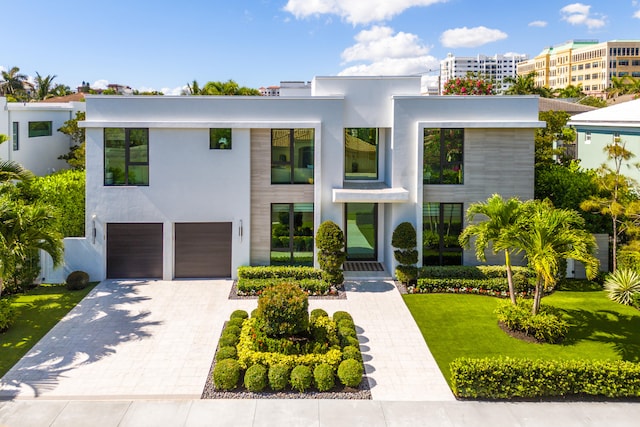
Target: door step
363,266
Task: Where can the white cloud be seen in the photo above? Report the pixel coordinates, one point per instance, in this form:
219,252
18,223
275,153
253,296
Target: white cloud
470,37
173,91
383,52
580,14
540,24
354,11
637,14
100,84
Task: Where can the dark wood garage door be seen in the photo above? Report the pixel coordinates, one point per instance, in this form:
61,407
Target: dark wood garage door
203,249
134,250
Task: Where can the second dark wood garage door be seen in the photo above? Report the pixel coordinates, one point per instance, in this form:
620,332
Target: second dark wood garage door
134,250
203,250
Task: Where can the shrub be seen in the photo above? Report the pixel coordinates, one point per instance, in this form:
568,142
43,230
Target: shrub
353,341
255,378
330,242
228,339
405,240
257,286
317,312
226,352
77,280
346,323
301,378
406,273
350,373
404,237
278,377
236,321
622,284
545,326
324,377
497,286
239,314
351,352
339,315
279,272
507,378
255,313
232,330
226,374
284,310
7,315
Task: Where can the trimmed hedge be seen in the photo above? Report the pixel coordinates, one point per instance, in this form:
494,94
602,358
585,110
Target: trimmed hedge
506,378
279,272
255,286
490,286
474,272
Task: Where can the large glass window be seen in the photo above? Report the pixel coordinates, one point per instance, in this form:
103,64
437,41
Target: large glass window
292,156
220,138
16,136
361,231
443,156
292,234
40,129
126,156
361,153
441,227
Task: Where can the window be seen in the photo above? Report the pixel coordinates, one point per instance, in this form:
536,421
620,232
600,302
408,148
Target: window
441,227
292,234
292,156
126,156
220,139
443,156
587,137
624,62
361,153
39,129
16,136
616,137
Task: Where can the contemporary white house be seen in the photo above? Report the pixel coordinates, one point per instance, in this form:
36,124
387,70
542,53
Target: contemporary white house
185,187
34,141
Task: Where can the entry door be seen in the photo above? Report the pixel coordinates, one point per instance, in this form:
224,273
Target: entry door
361,231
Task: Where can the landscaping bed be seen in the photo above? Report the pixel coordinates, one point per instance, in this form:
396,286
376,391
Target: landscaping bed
253,280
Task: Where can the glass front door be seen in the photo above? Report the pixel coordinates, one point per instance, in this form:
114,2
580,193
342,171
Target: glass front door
361,231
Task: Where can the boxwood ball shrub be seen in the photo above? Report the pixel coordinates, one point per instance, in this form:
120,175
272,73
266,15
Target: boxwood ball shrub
339,315
255,378
404,239
77,280
352,341
350,372
228,339
231,329
236,321
278,377
226,352
239,314
324,377
301,378
284,310
317,312
226,374
330,244
351,352
7,315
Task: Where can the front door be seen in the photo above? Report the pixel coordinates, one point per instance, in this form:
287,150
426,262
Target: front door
361,231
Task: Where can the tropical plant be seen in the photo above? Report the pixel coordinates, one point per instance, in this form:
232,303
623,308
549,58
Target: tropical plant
76,155
472,84
13,83
593,101
228,88
548,236
570,91
622,285
618,86
43,86
526,85
556,130
501,216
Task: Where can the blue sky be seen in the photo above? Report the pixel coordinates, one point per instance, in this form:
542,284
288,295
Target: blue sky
163,45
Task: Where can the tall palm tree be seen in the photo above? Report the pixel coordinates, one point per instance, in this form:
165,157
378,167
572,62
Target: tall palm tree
193,88
619,86
526,85
547,235
12,81
44,85
501,215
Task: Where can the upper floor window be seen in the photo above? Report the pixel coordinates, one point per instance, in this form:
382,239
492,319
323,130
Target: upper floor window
220,139
39,129
361,153
443,156
16,136
126,156
292,156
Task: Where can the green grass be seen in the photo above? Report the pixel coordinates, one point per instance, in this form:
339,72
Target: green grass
455,325
38,311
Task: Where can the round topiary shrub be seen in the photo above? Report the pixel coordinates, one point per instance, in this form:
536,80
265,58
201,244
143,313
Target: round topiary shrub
231,329
324,377
317,312
7,315
346,323
330,242
226,352
404,238
228,339
255,379
255,313
226,374
77,280
284,310
278,377
350,372
239,314
347,331
351,352
301,378
340,315
353,341
236,321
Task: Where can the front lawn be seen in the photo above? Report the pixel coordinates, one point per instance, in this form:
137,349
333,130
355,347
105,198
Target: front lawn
38,311
456,325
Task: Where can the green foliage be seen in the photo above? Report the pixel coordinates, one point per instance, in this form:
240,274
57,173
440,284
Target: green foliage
324,377
547,325
226,374
279,272
593,101
406,273
340,315
76,155
507,378
629,256
255,378
228,339
622,285
226,352
404,236
406,257
278,377
236,321
330,244
492,287
239,314
317,312
232,329
24,274
472,84
257,286
350,372
351,352
473,272
284,310
556,130
77,280
301,378
7,315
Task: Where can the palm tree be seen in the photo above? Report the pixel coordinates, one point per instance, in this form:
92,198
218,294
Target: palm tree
618,86
193,88
548,235
12,82
61,90
44,86
501,215
526,85
571,91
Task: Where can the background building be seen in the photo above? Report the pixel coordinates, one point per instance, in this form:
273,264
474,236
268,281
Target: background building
495,67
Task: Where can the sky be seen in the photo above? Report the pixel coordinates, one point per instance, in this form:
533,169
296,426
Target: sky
166,44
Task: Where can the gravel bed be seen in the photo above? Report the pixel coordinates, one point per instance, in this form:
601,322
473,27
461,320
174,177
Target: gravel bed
340,294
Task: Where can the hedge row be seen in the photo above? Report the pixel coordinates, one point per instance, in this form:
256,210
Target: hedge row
474,272
256,286
279,272
493,286
506,378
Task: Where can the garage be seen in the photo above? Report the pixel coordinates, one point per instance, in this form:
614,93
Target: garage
134,250
202,249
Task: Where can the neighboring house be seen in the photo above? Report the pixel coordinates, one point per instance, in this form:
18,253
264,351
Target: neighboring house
32,128
599,128
184,187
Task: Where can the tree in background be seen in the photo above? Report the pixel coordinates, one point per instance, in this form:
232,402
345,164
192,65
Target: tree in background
570,91
13,84
44,85
76,155
526,85
593,101
472,84
556,130
217,88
